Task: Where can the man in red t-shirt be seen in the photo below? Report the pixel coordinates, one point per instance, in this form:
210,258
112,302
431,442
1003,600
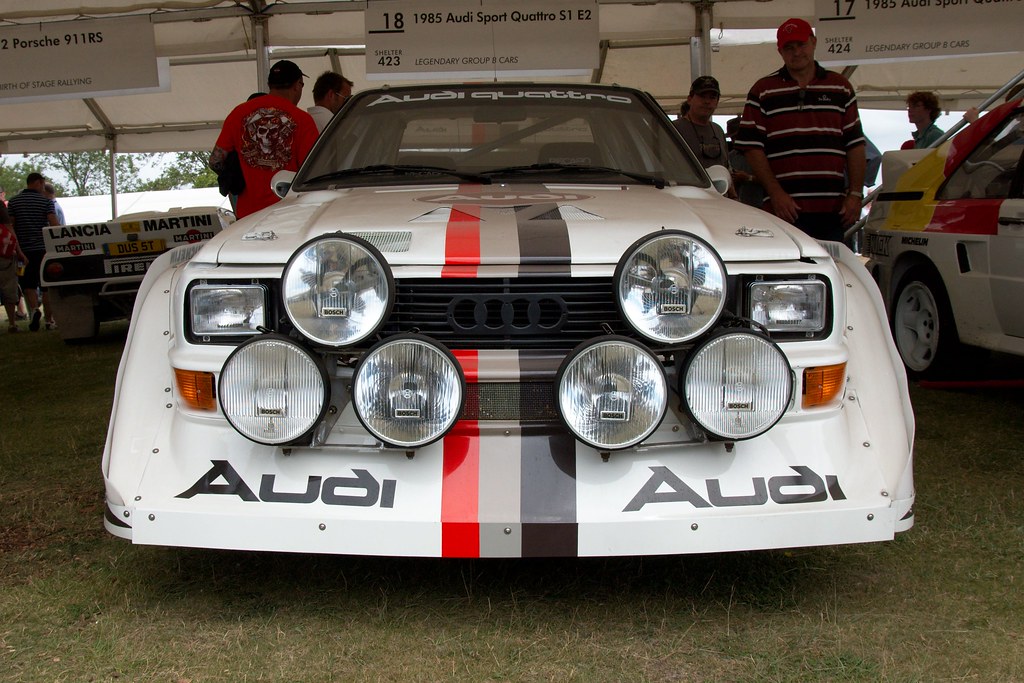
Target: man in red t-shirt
269,134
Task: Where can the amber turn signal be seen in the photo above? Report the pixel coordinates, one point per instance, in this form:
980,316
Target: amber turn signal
196,389
823,384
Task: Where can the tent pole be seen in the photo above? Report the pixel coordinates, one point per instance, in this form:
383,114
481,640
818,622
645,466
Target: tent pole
259,31
700,45
113,177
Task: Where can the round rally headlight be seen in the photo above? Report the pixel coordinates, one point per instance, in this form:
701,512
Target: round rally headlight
670,286
612,393
337,290
408,391
737,385
273,391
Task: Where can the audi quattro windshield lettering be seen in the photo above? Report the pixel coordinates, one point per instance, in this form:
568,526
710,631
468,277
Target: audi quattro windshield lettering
507,321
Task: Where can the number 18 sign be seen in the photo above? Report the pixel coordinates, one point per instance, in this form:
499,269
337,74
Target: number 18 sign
480,38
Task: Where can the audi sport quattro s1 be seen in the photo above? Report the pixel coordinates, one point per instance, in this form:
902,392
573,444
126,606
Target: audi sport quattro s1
946,243
508,320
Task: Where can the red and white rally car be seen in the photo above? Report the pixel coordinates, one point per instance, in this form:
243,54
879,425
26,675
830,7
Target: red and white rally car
508,320
945,239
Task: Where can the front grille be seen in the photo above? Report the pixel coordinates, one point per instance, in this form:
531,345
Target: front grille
507,313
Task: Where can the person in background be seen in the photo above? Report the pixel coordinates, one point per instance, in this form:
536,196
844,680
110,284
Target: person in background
801,134
269,133
923,110
330,92
10,255
973,114
705,137
20,311
51,193
31,211
748,189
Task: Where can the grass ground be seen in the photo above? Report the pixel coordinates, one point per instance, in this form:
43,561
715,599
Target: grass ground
944,602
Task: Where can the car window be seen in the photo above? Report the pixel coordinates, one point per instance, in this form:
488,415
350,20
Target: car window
483,130
989,171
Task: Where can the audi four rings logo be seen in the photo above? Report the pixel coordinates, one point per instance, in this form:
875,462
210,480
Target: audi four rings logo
507,314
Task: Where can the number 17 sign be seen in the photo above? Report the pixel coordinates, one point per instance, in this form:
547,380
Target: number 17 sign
860,31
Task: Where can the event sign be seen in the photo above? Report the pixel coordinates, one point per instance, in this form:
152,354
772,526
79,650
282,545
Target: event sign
413,39
860,31
75,59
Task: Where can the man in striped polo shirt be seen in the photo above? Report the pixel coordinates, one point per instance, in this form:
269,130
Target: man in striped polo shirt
31,211
801,134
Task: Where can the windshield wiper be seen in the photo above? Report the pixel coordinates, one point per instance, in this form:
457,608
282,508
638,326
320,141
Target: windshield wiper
399,169
656,181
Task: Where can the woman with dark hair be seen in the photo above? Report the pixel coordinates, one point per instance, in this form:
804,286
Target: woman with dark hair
922,110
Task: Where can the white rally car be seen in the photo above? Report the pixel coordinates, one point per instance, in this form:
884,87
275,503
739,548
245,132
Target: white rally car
504,321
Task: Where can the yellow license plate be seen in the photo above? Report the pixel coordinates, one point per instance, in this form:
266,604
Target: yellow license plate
133,247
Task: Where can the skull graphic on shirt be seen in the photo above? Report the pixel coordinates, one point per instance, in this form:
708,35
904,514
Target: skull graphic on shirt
267,138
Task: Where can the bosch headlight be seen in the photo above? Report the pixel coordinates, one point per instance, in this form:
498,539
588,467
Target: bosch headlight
670,286
737,385
789,306
273,391
408,391
612,393
337,290
227,310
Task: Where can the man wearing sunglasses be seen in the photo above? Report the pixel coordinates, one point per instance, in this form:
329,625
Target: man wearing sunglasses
802,136
330,92
705,137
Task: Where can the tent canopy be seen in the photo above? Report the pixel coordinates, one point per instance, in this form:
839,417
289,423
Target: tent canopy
212,47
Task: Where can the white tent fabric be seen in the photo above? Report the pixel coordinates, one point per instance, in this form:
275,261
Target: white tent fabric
212,46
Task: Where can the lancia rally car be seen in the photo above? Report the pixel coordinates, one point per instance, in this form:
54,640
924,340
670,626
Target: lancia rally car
92,271
506,321
946,243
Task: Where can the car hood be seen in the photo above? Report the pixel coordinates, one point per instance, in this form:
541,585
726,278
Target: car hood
505,224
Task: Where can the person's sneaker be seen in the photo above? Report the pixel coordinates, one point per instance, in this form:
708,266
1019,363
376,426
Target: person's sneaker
36,317
11,329
21,316
51,324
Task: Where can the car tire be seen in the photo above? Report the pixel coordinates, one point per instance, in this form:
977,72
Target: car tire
922,324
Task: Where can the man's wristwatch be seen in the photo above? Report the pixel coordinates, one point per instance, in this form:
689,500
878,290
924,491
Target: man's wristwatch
858,195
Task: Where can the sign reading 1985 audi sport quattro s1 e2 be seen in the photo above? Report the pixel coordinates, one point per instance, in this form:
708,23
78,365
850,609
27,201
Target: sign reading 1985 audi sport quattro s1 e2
508,320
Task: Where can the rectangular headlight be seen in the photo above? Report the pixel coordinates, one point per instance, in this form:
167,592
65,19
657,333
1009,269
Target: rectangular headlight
789,305
227,310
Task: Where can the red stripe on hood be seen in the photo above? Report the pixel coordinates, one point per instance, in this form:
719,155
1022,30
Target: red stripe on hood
462,240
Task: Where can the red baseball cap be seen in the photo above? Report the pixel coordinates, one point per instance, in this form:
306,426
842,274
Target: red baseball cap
794,31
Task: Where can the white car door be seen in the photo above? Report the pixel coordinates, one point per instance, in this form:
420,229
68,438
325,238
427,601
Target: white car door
1007,246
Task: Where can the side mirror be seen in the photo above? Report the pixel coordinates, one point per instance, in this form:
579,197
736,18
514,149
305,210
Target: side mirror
720,178
282,182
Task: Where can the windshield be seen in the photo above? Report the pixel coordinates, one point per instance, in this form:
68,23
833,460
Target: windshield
484,134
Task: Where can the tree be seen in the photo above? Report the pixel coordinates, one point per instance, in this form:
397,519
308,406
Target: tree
88,173
12,175
183,171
